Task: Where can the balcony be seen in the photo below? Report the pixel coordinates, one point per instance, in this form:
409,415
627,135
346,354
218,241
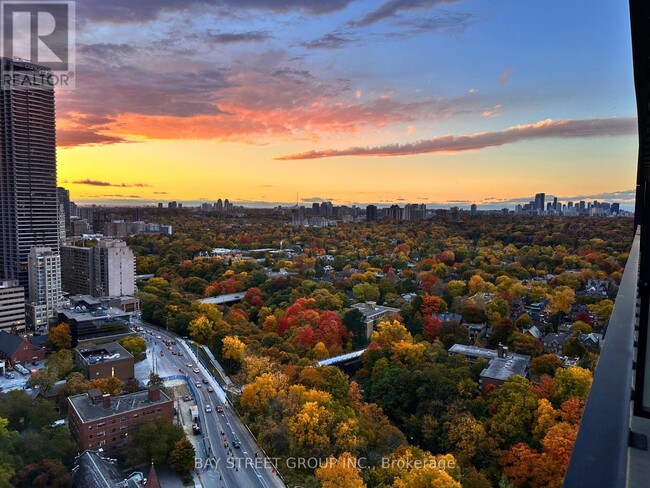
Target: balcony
612,449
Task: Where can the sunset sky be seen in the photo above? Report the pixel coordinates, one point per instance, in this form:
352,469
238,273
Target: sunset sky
387,101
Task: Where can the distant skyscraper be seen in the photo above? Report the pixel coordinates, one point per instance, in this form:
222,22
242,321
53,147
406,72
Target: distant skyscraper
297,216
218,206
539,202
371,213
63,198
615,208
315,208
28,195
472,210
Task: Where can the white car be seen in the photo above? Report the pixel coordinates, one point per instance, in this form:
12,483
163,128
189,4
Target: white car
198,384
208,409
196,370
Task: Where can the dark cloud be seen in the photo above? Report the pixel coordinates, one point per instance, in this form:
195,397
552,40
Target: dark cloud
106,183
565,129
123,11
237,37
330,41
132,89
84,137
106,51
315,199
450,23
391,8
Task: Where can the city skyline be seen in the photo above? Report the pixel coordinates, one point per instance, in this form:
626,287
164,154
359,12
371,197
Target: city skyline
248,104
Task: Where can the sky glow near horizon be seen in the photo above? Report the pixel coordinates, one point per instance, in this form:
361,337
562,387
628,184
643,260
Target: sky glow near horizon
353,101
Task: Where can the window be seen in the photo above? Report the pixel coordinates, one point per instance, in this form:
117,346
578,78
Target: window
101,424
124,419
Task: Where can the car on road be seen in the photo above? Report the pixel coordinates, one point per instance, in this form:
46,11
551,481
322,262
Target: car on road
219,409
189,365
180,353
198,384
205,381
208,408
196,370
210,389
235,443
173,353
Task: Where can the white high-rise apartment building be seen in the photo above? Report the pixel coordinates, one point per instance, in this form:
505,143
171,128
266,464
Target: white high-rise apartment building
45,292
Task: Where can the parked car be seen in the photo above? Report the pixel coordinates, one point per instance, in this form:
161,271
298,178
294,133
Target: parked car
187,398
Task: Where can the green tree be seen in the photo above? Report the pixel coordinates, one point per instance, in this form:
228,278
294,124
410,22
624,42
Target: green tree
154,440
354,322
365,292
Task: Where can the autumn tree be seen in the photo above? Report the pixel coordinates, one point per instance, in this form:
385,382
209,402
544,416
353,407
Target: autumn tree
308,430
545,364
181,458
60,337
572,382
135,345
48,473
340,472
201,330
233,349
561,300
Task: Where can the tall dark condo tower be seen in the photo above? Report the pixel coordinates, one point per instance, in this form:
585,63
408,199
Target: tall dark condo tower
28,195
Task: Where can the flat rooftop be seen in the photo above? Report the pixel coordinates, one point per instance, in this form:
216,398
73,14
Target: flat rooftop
370,311
504,368
103,353
89,412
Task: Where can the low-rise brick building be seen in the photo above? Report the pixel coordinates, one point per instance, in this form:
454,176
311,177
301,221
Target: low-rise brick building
101,421
105,361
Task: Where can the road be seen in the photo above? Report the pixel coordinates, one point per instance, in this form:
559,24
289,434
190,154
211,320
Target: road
228,467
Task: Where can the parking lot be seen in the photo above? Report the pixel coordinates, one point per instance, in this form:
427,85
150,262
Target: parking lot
19,381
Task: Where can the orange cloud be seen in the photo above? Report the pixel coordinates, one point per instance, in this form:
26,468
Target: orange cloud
481,140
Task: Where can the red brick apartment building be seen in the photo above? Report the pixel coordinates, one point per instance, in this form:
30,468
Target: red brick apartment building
101,421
